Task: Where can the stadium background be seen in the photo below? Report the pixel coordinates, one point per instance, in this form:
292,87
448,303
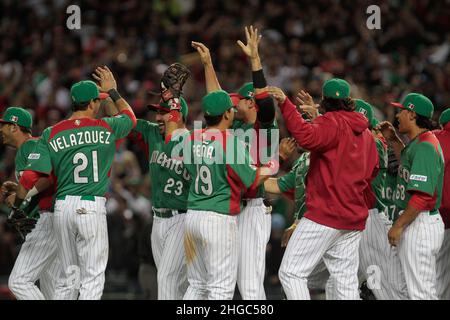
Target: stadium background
304,42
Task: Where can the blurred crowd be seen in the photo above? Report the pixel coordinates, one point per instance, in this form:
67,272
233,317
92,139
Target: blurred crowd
304,42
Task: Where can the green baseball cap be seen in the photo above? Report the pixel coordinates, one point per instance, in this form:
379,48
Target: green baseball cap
19,116
364,108
247,91
374,122
418,103
445,117
85,91
336,88
164,106
216,103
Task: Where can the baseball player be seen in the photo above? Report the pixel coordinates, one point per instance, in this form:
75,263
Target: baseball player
255,220
418,232
80,151
255,111
443,258
379,264
343,162
37,259
170,186
220,168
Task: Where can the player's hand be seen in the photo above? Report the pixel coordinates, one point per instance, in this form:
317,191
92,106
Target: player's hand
388,131
307,105
253,39
394,235
278,94
9,201
287,235
287,147
7,188
203,51
311,111
303,97
105,79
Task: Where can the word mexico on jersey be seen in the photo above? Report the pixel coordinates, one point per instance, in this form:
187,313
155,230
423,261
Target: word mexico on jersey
80,138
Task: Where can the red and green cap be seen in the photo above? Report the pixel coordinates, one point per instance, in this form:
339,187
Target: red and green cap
164,106
336,88
445,117
85,91
216,103
247,91
365,108
418,103
19,116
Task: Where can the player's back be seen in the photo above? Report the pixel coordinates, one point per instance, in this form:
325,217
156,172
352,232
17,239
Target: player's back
81,152
220,170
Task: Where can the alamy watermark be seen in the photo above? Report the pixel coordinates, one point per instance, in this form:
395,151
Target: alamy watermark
73,21
238,146
374,20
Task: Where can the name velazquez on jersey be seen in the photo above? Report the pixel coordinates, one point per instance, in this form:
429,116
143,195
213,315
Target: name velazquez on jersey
80,138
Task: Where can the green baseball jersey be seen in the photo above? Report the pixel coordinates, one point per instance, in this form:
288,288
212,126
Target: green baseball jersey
220,167
390,185
30,206
421,169
258,143
169,178
379,181
80,152
295,181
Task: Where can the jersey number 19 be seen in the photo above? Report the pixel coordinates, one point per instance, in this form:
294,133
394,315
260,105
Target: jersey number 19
205,186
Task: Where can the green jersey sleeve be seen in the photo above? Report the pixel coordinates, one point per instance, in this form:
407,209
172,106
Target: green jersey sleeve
40,160
120,124
287,182
424,176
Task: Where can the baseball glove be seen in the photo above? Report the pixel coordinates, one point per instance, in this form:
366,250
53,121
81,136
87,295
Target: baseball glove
19,220
8,188
173,80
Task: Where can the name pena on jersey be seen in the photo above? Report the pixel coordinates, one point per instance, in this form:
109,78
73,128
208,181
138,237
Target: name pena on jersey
172,164
80,138
202,151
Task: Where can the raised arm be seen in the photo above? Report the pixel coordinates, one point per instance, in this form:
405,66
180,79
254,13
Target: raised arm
107,83
266,112
317,136
212,83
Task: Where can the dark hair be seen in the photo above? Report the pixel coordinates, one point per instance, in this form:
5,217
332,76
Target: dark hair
330,104
213,120
25,130
425,123
81,106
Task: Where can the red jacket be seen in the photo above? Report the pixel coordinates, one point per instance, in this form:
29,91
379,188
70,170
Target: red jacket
444,139
344,160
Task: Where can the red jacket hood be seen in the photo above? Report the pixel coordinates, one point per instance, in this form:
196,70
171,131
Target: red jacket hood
357,121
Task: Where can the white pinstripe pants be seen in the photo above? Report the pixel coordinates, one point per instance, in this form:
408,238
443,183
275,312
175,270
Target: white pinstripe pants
443,268
418,249
37,259
168,252
82,236
211,244
254,226
377,256
310,243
